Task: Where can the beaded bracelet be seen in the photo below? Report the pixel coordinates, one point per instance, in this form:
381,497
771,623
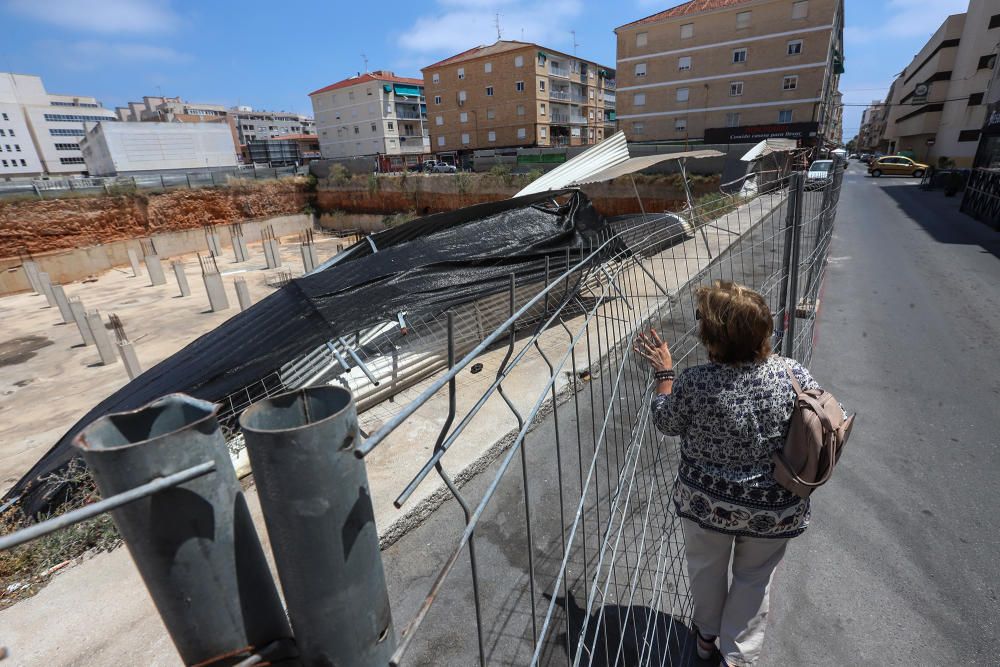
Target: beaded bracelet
663,376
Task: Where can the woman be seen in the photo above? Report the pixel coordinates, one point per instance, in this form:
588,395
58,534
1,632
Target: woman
731,415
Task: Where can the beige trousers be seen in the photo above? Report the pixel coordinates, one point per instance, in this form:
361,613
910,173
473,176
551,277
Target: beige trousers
734,612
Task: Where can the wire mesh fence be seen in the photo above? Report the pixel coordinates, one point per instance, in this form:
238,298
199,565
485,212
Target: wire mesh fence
568,551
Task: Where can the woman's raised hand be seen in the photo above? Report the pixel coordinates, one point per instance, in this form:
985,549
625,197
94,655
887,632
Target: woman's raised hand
656,352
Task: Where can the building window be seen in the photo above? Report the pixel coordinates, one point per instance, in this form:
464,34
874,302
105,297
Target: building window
357,130
488,67
968,135
684,63
71,160
436,78
640,69
641,39
489,91
687,31
739,55
522,133
465,138
519,86
743,20
463,117
994,21
520,109
4,162
518,61
795,47
681,125
785,116
638,128
440,141
733,119
543,132
987,62
64,147
975,99
461,72
800,9
374,128
491,136
491,114
735,88
439,120
682,94
23,163
639,99
12,133
17,148
63,132
790,83
541,85
67,118
541,109
5,117
437,99
368,91
541,60
2,133
461,97
591,115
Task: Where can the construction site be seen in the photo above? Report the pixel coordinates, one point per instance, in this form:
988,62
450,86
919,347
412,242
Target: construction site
405,409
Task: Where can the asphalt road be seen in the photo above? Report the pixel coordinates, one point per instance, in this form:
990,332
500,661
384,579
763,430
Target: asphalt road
902,563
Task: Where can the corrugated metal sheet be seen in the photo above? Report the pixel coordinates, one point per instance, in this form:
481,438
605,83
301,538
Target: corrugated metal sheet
611,151
635,164
769,146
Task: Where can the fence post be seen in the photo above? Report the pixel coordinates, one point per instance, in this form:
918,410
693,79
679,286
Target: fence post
195,544
318,510
793,238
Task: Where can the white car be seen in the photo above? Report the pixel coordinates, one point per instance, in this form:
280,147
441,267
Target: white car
443,168
820,170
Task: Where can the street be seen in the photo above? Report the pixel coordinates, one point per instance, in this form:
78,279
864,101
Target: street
900,566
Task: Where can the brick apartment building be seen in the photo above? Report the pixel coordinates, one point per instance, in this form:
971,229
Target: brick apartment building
732,71
517,94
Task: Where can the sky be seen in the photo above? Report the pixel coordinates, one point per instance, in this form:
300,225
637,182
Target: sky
270,55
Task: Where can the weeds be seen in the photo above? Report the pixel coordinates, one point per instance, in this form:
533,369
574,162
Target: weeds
373,183
463,181
397,219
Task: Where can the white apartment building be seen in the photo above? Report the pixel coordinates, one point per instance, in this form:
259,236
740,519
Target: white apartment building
39,131
258,125
125,149
376,113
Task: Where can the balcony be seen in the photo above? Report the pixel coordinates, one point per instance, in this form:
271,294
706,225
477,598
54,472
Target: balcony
409,115
556,94
610,99
610,84
578,98
562,118
558,71
577,120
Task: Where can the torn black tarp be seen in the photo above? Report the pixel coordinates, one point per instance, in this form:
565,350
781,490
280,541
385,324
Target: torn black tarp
423,267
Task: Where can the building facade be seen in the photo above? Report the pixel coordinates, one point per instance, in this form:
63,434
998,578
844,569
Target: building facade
732,70
517,94
40,131
376,113
124,149
251,125
286,151
171,110
937,108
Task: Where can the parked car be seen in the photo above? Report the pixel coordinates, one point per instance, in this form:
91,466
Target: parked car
820,170
866,158
853,156
896,165
444,168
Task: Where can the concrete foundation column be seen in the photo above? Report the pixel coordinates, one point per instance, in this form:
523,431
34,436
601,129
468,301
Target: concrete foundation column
240,248
214,244
242,293
309,260
182,281
31,273
133,259
272,254
46,285
105,348
155,268
131,361
216,292
62,303
80,317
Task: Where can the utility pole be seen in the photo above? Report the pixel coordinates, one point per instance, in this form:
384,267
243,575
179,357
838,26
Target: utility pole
496,22
365,58
573,32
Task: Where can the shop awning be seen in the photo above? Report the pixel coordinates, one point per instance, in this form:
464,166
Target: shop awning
403,89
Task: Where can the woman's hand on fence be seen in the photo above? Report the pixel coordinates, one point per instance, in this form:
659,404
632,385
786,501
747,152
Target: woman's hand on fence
656,352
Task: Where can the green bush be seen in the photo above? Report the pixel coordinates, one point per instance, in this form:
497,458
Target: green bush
502,173
397,219
373,183
463,181
533,175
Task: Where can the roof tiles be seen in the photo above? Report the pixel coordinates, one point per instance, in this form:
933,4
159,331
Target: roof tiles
373,77
692,7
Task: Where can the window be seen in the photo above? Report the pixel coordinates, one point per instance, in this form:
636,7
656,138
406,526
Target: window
436,78
541,109
520,109
463,117
591,116
687,31
641,39
4,162
591,93
461,97
491,136
739,55
489,91
987,62
62,132
682,94
640,69
543,132
440,141
439,120
800,9
63,147
17,147
71,160
994,21
968,135
357,130
2,133
790,83
522,133
975,99
639,99
785,116
541,85
541,60
391,126
67,118
488,67
735,88
743,20
5,117
12,133
437,99
681,125
368,91
374,127
491,114
465,138
23,163
518,61
733,119
638,128
10,151
684,63
519,86
795,47
461,72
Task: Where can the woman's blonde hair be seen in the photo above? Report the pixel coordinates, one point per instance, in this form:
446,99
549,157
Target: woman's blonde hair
736,323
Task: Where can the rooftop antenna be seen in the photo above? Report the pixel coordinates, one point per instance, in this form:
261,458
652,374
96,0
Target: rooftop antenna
365,58
573,32
496,22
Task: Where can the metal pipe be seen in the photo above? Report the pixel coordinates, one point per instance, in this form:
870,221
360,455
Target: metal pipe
195,544
318,510
357,360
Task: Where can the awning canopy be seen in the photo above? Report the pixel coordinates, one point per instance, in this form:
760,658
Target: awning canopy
403,89
608,153
635,164
769,146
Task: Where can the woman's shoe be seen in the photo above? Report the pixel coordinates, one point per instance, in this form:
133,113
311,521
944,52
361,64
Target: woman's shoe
705,645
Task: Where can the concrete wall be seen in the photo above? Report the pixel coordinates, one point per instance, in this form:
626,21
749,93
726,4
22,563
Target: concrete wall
128,148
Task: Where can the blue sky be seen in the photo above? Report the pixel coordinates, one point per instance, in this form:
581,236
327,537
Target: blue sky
270,55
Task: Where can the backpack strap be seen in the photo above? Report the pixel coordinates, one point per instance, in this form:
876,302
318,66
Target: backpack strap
791,376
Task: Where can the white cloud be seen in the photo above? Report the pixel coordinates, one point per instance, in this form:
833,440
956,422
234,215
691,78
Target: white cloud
462,24
103,16
87,55
906,19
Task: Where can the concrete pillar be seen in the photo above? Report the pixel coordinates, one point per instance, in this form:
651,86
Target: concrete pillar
309,261
242,293
31,273
216,292
214,244
131,361
46,284
182,281
80,317
155,268
272,253
62,303
133,259
240,248
105,347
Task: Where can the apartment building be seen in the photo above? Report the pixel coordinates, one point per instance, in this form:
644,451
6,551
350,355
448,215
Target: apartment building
872,120
937,108
375,113
40,131
732,71
251,125
171,110
516,94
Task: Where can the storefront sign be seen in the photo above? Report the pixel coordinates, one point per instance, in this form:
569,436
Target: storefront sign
755,133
